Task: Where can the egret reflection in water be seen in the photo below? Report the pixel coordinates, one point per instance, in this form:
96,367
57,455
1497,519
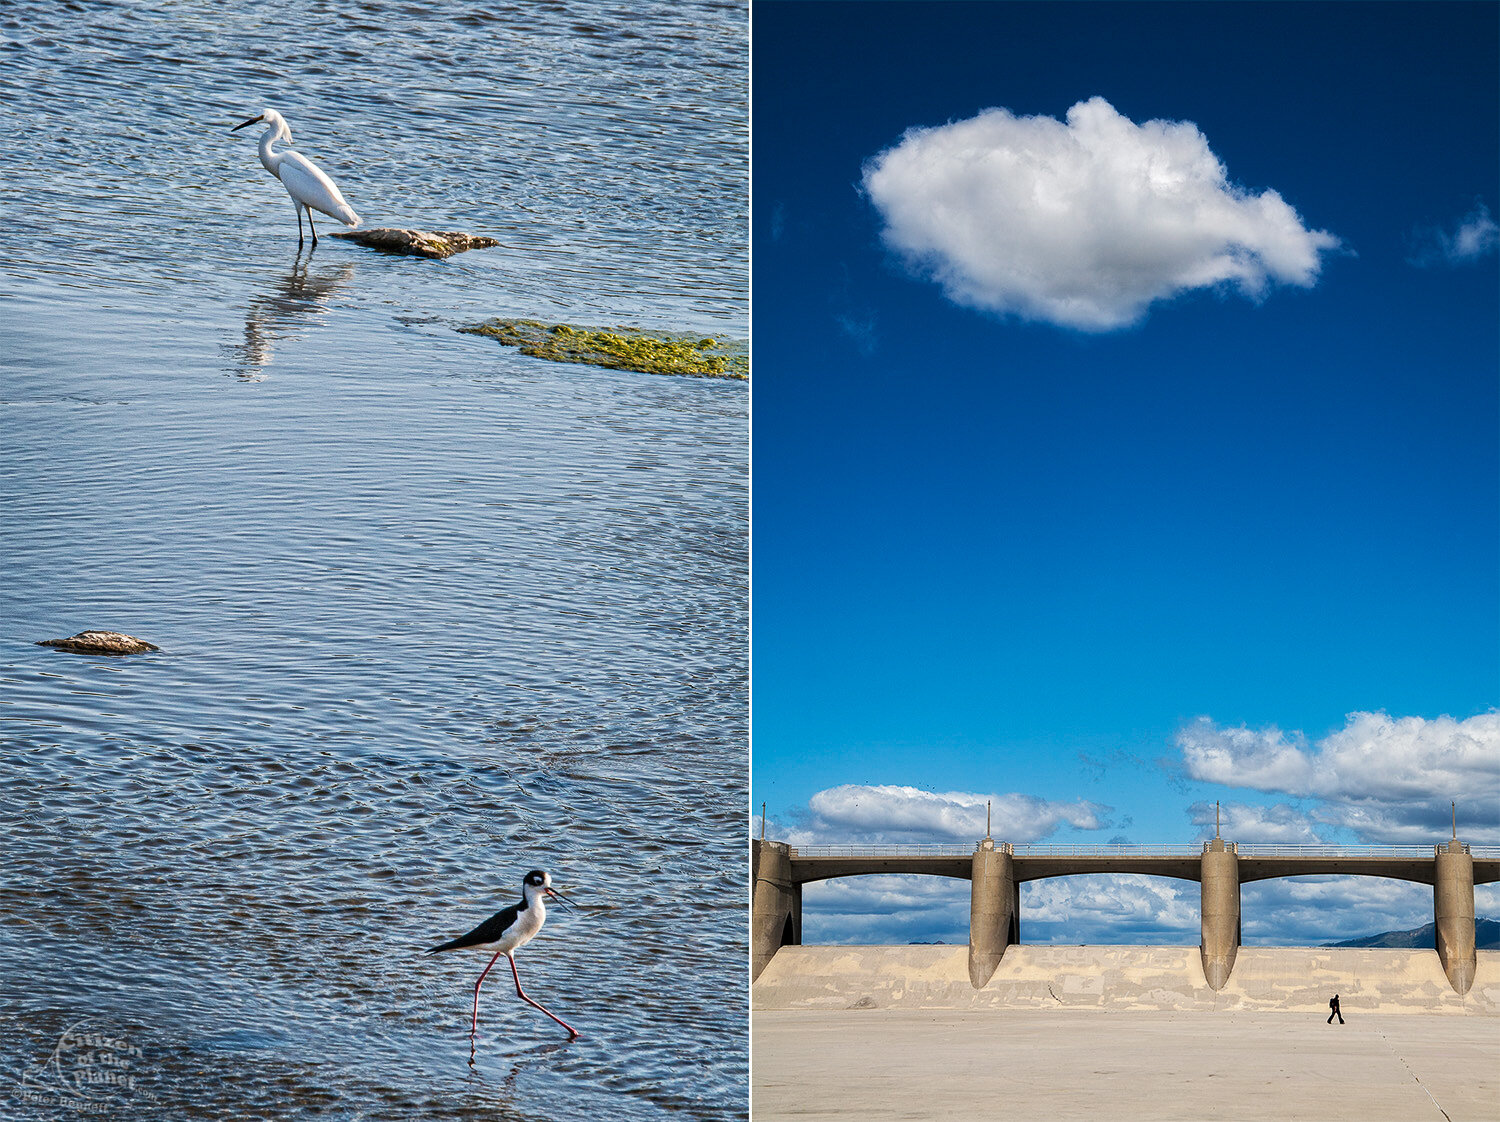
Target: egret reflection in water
285,311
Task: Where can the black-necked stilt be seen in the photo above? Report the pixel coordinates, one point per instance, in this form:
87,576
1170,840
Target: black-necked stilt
508,930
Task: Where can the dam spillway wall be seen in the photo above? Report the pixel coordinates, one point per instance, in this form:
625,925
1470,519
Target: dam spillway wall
1288,979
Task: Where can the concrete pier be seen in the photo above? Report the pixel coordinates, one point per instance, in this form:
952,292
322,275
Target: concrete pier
776,908
994,900
1220,914
1453,910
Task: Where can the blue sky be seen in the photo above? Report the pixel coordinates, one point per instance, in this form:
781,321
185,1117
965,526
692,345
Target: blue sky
1126,438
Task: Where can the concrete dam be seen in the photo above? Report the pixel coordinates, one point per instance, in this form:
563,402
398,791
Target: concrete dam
995,872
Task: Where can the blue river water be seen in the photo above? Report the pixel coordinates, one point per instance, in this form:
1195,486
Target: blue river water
431,613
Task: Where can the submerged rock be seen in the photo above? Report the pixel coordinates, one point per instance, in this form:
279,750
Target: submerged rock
621,348
101,642
415,243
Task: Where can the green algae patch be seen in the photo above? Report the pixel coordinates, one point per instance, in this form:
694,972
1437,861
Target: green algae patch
621,348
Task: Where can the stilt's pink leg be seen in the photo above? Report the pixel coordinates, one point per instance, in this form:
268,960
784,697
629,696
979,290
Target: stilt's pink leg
572,1032
475,1026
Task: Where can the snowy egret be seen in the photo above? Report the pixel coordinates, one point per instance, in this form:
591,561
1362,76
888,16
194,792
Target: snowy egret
304,181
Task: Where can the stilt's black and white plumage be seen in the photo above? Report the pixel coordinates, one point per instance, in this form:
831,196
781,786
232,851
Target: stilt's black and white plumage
509,930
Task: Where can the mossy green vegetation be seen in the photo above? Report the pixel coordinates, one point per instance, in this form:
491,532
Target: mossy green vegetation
621,348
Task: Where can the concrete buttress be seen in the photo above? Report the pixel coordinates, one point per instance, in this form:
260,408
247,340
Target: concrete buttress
776,905
1220,883
992,904
1453,911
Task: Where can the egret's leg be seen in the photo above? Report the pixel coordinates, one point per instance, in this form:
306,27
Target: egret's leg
311,227
572,1032
298,211
475,1026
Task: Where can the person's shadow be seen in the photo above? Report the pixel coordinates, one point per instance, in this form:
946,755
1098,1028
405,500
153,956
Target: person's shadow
285,311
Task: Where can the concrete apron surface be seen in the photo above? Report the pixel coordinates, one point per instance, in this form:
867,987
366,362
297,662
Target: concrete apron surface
1123,1066
1269,979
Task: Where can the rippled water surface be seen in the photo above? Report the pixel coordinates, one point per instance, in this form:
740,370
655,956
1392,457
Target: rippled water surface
431,613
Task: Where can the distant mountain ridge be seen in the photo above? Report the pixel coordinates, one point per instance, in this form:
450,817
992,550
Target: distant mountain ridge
1486,937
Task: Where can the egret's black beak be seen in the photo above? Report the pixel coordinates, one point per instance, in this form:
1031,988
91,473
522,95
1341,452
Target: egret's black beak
556,895
251,121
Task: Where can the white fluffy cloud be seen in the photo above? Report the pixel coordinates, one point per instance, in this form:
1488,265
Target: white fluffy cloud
1120,908
1243,822
854,813
886,909
1386,779
1263,759
1083,223
1477,236
1314,910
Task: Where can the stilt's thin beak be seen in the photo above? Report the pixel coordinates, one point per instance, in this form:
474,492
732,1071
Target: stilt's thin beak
556,895
251,121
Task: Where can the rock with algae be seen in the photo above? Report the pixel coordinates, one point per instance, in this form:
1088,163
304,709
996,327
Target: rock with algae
416,243
101,642
621,348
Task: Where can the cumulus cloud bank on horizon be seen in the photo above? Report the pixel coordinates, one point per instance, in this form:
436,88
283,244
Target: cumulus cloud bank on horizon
1386,779
899,908
1123,908
1083,223
856,813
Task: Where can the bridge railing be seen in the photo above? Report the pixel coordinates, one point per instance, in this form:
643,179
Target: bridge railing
1029,850
925,850
1392,852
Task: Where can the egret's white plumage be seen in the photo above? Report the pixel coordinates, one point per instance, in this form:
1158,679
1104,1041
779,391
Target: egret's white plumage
307,184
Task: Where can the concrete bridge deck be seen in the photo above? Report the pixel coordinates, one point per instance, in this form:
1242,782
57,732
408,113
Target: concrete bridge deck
1184,862
996,871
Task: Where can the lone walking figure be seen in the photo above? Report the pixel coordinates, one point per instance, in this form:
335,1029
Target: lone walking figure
1333,1004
